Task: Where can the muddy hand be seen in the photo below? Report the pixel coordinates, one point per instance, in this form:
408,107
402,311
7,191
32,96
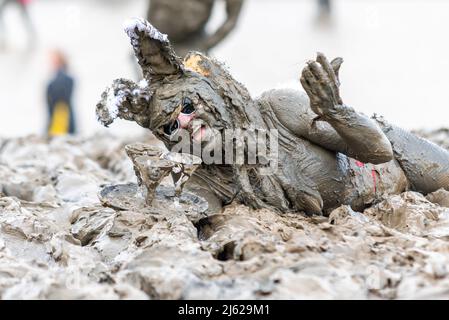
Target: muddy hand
321,82
126,100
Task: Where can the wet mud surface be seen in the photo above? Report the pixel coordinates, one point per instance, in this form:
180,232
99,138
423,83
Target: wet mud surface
60,237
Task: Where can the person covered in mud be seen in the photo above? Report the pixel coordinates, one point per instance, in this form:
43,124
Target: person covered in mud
328,154
61,115
184,21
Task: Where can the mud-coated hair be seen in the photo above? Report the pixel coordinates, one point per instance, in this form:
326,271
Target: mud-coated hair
239,107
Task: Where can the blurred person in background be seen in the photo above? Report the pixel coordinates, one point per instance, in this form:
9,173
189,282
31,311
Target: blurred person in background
184,22
61,115
324,15
23,6
324,10
325,6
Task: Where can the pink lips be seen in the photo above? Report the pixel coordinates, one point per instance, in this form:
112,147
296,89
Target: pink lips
184,121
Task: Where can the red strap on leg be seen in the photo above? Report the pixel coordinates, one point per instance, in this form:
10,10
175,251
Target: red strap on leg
359,164
373,173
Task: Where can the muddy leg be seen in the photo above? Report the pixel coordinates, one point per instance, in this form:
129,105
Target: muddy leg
425,164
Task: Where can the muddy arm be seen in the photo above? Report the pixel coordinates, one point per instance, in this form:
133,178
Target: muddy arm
233,9
292,109
362,138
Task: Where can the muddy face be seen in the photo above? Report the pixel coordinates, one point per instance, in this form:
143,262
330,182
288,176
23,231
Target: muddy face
187,108
196,96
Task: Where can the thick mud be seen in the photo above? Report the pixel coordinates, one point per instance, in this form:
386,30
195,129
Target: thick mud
58,240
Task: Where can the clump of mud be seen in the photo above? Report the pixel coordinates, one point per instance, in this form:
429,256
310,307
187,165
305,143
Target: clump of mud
57,240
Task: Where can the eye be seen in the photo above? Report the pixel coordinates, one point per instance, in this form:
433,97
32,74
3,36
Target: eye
187,106
171,127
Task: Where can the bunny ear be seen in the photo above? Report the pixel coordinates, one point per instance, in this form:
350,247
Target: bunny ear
152,49
126,100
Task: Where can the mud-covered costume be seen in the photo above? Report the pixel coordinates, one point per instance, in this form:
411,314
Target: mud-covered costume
328,153
184,21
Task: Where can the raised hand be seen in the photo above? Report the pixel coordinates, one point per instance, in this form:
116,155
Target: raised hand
321,82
